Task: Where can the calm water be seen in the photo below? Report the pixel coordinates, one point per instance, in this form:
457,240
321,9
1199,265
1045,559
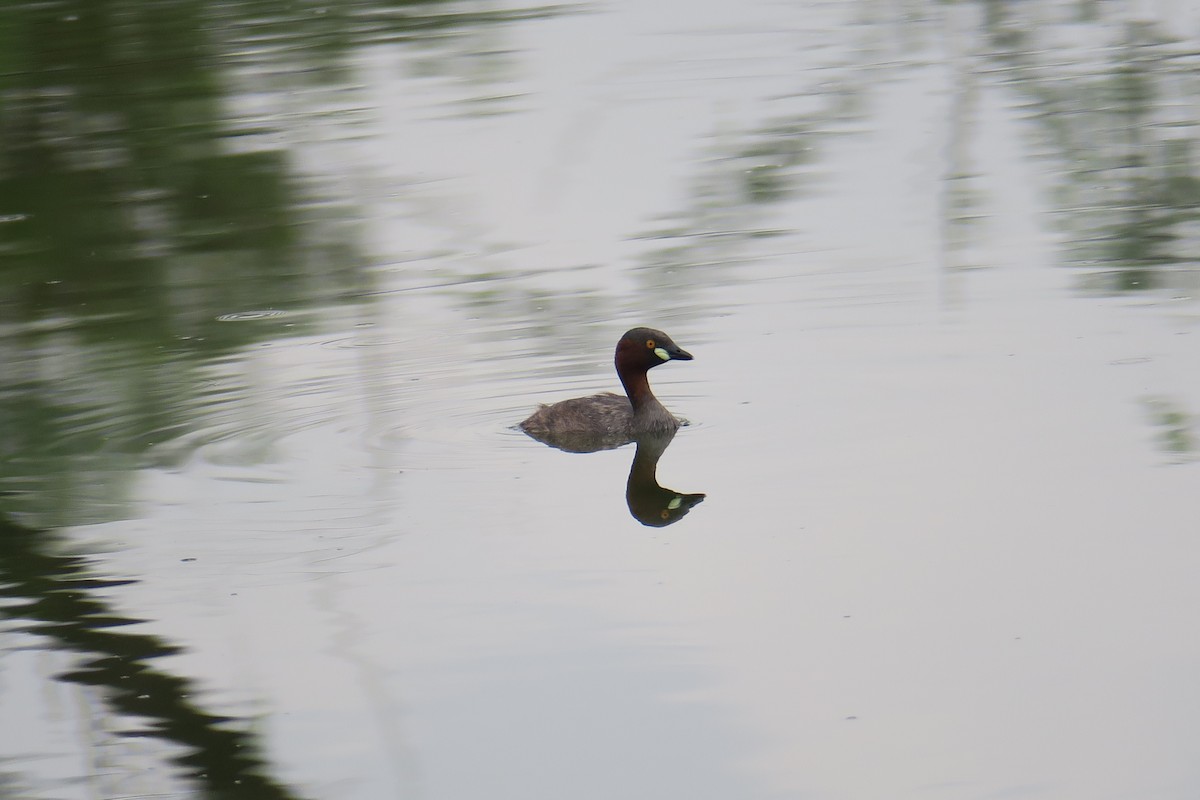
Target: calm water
280,277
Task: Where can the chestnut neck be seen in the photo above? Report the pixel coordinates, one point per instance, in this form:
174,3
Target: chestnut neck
637,386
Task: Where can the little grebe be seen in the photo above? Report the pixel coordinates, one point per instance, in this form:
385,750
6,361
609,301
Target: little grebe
609,420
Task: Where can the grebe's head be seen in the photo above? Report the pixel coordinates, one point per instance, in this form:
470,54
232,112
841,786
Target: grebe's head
643,348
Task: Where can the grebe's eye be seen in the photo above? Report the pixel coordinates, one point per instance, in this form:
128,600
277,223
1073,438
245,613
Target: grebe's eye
665,514
649,344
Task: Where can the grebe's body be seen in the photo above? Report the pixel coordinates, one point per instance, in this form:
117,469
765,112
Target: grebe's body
609,419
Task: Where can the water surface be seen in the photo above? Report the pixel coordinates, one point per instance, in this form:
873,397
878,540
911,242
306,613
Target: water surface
280,279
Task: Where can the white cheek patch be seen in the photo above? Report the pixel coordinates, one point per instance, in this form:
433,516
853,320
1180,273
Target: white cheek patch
663,354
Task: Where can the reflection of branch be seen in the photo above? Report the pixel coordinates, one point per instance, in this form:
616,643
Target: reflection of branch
1176,436
56,597
1117,117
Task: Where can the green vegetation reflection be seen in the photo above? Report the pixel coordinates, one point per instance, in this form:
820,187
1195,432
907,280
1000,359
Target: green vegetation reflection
147,200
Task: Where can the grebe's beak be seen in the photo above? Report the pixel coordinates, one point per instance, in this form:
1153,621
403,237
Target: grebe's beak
678,353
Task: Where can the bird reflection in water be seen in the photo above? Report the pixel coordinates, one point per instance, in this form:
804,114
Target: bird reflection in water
649,503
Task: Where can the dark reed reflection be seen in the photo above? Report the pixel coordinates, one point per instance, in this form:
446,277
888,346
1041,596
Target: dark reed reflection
57,598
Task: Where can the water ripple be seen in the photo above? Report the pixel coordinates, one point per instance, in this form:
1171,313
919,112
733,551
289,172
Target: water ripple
250,316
